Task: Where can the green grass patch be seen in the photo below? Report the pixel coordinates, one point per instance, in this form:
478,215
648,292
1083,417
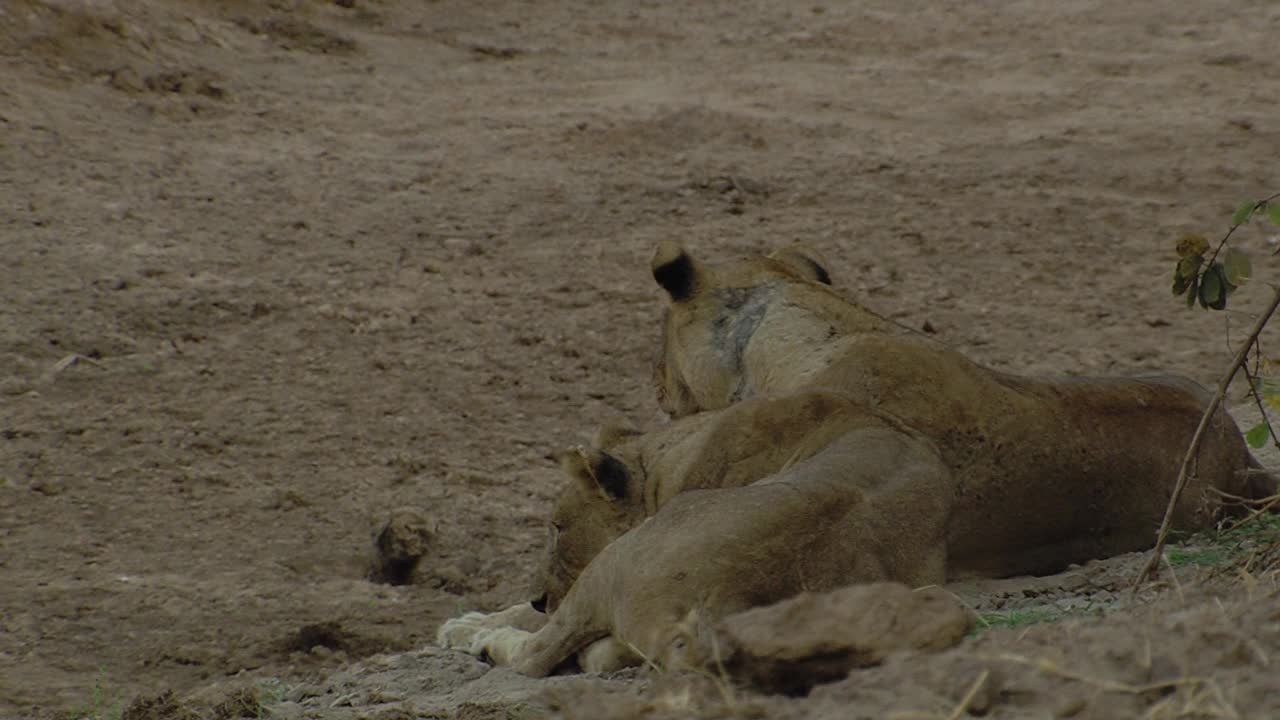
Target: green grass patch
102,704
1180,556
1220,547
1017,618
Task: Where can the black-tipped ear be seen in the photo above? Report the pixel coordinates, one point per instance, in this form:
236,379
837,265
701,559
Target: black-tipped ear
804,261
597,468
611,475
675,271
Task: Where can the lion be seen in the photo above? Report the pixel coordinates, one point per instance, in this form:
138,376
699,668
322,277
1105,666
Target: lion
626,476
1048,471
855,498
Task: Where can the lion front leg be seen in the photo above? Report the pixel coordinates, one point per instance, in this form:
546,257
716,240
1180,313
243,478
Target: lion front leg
510,647
535,654
461,632
539,654
501,646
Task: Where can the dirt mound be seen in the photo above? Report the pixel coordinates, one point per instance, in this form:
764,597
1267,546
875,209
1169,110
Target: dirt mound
1172,659
1177,656
810,639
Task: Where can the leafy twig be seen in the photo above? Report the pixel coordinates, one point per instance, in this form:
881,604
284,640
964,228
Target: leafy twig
1257,399
1193,449
1237,225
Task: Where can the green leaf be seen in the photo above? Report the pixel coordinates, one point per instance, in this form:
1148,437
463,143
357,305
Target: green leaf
1179,280
1221,304
1211,287
1242,213
1193,292
1189,265
1257,435
1273,213
1267,386
1236,266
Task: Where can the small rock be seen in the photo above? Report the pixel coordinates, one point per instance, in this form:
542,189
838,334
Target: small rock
451,579
14,386
399,545
47,486
125,79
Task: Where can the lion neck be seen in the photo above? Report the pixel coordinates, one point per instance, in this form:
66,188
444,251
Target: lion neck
797,341
772,367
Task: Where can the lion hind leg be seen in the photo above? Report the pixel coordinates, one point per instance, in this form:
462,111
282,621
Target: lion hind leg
607,655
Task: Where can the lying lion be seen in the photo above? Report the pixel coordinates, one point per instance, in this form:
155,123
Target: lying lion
855,499
627,476
1047,471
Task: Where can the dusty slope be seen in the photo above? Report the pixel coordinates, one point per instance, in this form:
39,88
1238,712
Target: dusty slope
328,259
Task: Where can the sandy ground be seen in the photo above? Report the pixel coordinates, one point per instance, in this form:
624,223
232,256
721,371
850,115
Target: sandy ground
275,269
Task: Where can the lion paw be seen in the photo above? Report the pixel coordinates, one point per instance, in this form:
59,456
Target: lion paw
460,632
500,646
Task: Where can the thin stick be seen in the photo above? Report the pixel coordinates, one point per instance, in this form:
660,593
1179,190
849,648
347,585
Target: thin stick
1176,585
968,697
1263,506
1193,449
1047,666
1257,399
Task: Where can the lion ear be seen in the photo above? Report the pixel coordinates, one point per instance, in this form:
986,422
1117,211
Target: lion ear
597,470
675,271
805,261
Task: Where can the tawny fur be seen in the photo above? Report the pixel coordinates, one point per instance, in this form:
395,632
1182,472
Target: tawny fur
731,448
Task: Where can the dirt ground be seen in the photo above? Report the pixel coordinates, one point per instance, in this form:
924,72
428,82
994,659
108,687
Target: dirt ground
275,269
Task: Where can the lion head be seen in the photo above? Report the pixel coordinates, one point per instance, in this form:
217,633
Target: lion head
603,498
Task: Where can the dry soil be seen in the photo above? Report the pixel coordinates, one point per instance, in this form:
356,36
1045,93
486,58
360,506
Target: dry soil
272,270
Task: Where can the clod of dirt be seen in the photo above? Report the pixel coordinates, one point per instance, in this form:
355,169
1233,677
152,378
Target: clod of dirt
814,638
294,34
164,706
197,81
496,52
452,579
327,635
243,703
399,545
